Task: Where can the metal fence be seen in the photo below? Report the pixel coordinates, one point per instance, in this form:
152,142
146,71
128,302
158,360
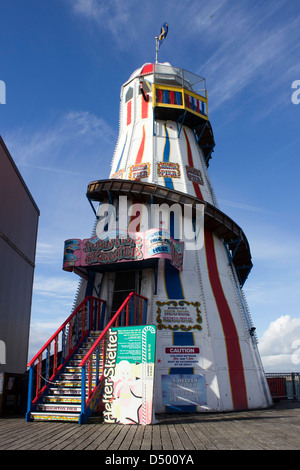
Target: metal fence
284,385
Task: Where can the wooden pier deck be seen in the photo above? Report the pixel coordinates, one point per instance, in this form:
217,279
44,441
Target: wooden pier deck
277,428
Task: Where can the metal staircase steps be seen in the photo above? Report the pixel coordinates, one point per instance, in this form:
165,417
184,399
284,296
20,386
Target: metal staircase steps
63,399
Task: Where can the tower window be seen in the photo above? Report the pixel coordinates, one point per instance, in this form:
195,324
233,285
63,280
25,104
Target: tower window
129,94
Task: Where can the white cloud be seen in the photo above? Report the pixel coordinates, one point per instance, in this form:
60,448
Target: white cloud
57,159
57,144
274,250
279,345
40,333
264,56
48,253
57,287
241,205
266,46
113,16
53,297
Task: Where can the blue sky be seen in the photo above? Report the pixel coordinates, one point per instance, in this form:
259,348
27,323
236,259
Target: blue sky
63,63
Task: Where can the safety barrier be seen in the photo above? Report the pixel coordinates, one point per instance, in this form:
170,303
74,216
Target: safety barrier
284,385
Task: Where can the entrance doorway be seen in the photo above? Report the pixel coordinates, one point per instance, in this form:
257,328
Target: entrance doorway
125,282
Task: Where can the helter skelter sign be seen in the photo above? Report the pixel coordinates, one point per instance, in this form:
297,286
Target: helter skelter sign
112,248
129,375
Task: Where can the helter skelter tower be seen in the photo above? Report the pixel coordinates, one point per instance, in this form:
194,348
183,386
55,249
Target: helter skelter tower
206,352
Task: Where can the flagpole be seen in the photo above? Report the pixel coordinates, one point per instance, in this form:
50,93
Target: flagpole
156,53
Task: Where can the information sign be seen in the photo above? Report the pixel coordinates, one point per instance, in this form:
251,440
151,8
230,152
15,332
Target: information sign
129,375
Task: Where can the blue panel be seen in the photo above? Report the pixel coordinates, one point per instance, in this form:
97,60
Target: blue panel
181,409
166,155
180,338
183,339
119,162
169,183
173,282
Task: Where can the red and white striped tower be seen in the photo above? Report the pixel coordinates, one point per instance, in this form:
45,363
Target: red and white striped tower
206,354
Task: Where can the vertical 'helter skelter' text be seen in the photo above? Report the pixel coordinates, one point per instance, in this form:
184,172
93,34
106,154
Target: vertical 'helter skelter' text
109,370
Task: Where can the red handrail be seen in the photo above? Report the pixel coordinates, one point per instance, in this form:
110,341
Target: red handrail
89,356
111,323
43,348
81,326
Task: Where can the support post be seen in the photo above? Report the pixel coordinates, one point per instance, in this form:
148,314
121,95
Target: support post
30,393
81,417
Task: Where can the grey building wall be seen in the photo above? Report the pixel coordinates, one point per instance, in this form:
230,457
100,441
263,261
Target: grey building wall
19,216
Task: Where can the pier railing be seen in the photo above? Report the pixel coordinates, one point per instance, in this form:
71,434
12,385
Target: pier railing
284,385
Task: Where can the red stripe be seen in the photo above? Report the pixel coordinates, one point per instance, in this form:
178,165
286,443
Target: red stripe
147,69
191,164
140,153
128,113
234,356
197,191
137,218
144,108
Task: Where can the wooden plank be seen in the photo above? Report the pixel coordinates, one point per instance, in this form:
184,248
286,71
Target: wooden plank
101,435
28,436
129,436
239,437
146,443
202,440
271,437
277,428
64,431
9,434
165,437
138,438
189,439
175,436
8,426
156,437
226,436
79,441
211,431
116,443
111,436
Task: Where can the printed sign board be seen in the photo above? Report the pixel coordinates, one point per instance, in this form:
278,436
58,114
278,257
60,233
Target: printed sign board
168,170
194,175
178,315
183,389
181,356
129,375
109,249
139,171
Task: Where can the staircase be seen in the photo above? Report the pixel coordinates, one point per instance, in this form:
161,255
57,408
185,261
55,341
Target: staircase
66,385
63,400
